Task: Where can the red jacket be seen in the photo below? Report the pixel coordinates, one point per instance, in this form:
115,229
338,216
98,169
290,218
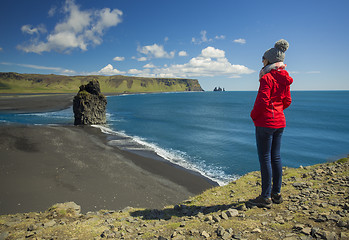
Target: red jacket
273,97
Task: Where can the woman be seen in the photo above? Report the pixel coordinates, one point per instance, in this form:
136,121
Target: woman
268,116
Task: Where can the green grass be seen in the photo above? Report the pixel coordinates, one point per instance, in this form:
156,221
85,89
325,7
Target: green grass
342,160
37,83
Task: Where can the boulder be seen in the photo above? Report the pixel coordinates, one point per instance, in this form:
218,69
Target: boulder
89,105
68,209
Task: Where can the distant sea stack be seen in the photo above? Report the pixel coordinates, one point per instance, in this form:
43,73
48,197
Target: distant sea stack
89,105
219,89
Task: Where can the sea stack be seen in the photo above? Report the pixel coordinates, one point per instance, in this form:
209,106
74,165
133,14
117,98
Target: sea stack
89,105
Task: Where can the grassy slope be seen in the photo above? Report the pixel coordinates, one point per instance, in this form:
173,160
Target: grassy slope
38,83
193,219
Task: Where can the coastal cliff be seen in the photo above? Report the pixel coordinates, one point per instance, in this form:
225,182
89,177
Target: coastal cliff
40,83
315,207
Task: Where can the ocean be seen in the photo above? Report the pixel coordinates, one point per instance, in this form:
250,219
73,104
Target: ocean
212,133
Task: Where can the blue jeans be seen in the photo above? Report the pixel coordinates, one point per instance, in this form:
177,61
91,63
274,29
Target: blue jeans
268,147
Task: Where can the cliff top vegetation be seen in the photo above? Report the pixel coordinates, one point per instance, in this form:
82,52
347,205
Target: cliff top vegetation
40,83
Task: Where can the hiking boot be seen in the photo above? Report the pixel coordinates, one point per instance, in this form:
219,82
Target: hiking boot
276,198
261,202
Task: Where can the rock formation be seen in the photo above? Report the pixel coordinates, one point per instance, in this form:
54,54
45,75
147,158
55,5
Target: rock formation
219,89
89,105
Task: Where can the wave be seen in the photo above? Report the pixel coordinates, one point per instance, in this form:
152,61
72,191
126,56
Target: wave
62,114
140,146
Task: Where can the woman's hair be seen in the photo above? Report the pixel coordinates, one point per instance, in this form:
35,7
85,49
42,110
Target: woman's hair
266,59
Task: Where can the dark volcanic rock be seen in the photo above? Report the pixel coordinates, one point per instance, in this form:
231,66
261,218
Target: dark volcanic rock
89,105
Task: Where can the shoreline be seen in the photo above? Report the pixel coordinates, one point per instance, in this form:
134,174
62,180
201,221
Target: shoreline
145,149
43,165
153,162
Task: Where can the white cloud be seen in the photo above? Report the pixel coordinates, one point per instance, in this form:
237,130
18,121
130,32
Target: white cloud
68,72
31,30
210,63
109,70
293,72
240,40
221,37
182,54
142,59
79,29
52,11
107,19
235,76
149,65
120,59
55,69
300,72
1,49
143,73
155,51
211,52
203,38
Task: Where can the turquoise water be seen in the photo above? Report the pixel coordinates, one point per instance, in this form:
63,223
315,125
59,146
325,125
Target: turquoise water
211,132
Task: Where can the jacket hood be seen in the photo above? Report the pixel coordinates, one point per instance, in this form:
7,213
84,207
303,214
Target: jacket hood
282,77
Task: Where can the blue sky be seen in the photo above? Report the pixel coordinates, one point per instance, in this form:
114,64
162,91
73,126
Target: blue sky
220,43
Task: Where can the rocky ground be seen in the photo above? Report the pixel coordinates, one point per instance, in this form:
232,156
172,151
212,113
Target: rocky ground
316,206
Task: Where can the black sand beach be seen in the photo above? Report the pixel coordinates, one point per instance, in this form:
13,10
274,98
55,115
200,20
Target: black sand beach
44,165
29,103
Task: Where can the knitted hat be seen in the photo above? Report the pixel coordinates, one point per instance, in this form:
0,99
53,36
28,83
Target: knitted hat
277,53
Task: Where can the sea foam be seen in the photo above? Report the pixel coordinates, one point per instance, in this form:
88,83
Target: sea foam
140,146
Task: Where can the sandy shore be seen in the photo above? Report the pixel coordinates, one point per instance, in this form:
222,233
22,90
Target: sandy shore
44,165
29,103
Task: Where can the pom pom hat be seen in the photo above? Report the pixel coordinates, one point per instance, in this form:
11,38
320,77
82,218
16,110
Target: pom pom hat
277,53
